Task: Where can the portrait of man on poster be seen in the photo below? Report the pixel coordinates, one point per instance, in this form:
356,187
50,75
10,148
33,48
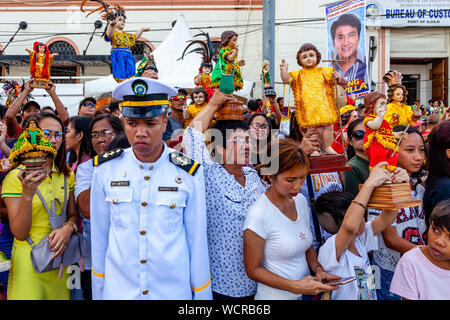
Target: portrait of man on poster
345,35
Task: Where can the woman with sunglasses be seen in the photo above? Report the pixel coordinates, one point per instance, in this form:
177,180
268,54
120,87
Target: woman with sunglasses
28,218
102,130
359,161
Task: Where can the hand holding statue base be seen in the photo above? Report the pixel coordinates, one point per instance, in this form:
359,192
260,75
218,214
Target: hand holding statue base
39,84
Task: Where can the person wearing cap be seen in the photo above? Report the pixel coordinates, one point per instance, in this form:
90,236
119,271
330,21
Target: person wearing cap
87,107
176,118
347,113
148,210
420,125
13,128
271,104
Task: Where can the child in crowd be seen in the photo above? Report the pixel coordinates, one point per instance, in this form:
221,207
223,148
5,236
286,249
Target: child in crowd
423,273
345,254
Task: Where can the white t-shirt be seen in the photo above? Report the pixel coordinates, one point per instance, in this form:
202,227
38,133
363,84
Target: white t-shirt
350,265
286,243
417,278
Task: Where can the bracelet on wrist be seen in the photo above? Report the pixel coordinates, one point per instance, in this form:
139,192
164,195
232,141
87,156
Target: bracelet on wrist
75,228
359,203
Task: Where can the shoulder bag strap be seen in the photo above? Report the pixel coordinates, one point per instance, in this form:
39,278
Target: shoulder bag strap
52,212
312,201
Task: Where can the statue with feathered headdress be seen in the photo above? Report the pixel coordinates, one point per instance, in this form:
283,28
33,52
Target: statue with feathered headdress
122,60
205,49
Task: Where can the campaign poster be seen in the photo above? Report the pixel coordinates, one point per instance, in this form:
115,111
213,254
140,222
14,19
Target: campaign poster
346,32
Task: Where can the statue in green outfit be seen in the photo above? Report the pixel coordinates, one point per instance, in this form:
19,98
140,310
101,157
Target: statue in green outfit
228,67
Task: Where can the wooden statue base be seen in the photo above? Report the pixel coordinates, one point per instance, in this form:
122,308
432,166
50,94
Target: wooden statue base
328,163
40,84
231,111
392,197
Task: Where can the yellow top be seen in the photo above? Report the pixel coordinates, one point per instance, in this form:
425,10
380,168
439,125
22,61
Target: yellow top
313,90
123,39
24,283
404,111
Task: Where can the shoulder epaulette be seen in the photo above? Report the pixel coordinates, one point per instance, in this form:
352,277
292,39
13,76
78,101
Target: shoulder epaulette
102,158
184,162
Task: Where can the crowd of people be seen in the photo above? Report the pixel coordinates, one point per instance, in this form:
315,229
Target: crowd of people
235,216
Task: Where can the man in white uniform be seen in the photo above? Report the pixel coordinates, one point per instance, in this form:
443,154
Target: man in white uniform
148,212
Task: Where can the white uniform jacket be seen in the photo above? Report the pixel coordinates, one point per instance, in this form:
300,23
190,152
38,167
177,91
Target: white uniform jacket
148,225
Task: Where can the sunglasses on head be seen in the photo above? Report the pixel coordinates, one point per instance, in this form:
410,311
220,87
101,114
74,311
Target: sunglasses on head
358,134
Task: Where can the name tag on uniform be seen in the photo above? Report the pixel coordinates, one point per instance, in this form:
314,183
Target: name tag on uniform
120,183
173,189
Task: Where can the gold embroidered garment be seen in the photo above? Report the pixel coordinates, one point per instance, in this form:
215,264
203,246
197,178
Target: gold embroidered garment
405,114
313,90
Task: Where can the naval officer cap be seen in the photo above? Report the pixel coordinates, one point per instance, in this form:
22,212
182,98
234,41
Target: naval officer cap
143,97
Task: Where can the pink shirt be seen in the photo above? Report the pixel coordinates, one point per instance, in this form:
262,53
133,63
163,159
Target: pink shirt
417,278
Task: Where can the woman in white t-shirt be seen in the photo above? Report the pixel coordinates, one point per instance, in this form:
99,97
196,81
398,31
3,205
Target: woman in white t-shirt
277,238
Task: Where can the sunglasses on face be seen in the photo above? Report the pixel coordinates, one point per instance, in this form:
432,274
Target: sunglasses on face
57,134
177,98
89,104
358,134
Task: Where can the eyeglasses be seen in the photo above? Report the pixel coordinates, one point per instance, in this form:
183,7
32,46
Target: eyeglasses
57,134
258,126
102,133
358,134
177,98
89,104
239,140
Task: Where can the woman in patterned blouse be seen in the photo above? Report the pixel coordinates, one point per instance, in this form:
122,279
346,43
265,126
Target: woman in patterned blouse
231,188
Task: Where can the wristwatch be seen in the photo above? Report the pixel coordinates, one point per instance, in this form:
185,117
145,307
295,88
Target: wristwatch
73,225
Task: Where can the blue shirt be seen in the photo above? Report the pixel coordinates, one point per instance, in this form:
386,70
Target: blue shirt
358,69
227,204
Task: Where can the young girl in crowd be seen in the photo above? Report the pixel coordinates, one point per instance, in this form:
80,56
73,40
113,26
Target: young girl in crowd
409,227
277,238
424,273
345,254
77,140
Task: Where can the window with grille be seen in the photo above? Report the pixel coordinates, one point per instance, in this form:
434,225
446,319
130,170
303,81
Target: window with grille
63,68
